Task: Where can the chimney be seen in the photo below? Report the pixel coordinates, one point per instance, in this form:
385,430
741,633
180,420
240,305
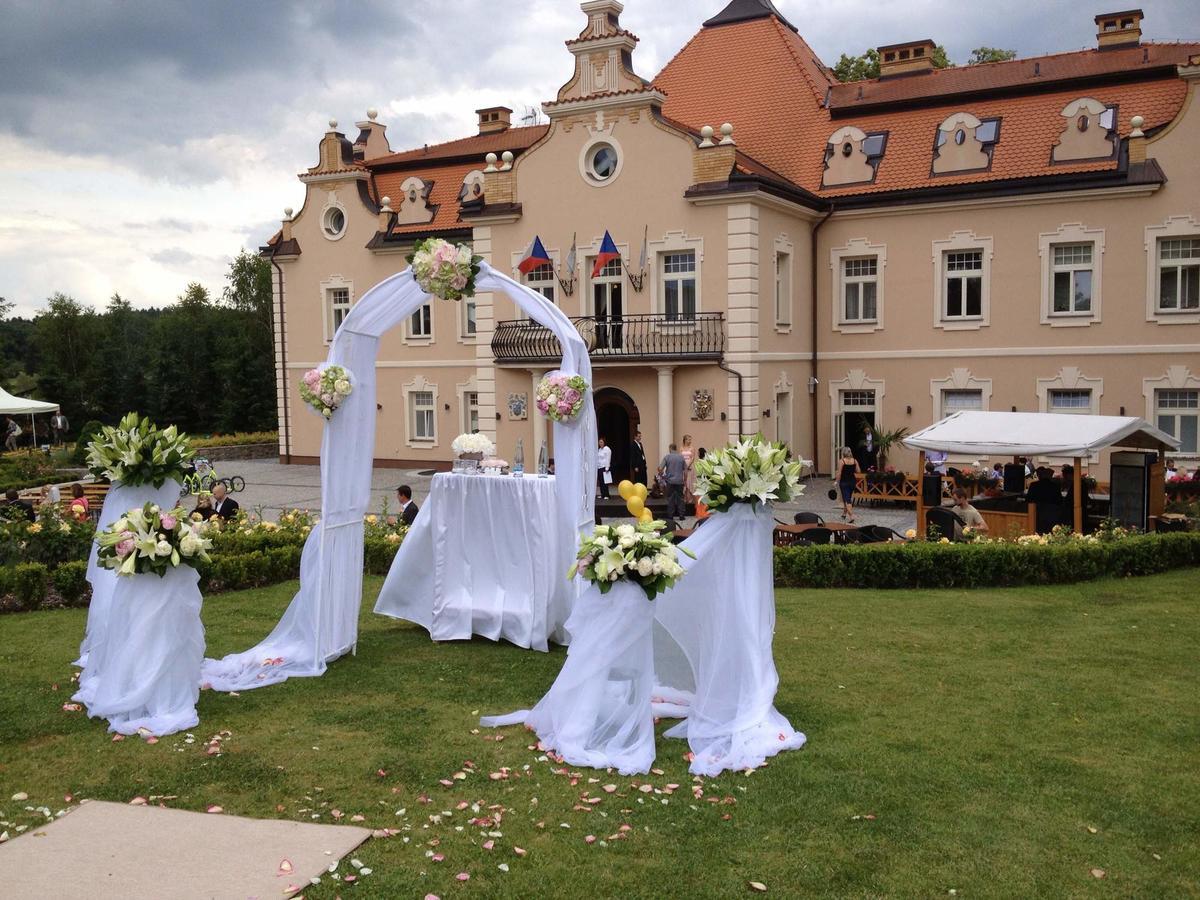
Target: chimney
1119,29
494,119
906,58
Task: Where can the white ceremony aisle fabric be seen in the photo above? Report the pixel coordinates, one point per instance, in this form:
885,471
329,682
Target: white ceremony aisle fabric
149,663
722,617
118,501
597,713
321,623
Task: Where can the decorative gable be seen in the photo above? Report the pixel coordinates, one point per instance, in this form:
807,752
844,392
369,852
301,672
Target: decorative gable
1088,132
852,156
414,202
964,143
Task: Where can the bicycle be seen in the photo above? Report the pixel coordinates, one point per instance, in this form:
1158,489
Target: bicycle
203,477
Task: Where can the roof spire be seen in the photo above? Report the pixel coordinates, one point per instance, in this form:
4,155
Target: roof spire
745,11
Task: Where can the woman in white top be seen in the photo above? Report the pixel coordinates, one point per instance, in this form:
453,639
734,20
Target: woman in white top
603,470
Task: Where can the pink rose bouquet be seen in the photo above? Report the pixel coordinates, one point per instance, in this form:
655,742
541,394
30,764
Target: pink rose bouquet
443,269
560,397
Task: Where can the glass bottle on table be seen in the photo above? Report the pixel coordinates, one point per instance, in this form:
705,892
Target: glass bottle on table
543,461
518,466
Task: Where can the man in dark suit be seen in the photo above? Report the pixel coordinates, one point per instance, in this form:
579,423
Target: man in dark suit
13,499
1045,494
637,460
408,509
224,506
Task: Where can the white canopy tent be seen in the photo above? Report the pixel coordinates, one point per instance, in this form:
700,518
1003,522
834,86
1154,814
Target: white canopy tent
977,433
22,406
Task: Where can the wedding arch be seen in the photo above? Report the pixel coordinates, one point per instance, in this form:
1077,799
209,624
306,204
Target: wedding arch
321,624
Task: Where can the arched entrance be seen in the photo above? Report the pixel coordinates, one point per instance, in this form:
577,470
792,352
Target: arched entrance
617,418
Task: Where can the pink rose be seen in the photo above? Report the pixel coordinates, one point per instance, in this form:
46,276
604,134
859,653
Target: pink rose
572,396
543,406
564,408
445,253
459,282
311,377
124,548
168,523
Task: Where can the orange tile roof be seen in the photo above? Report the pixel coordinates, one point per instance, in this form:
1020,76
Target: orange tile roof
520,137
447,182
763,78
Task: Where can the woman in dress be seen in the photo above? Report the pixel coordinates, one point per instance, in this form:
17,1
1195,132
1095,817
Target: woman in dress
847,473
689,471
79,503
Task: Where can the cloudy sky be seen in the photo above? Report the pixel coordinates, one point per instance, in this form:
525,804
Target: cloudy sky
144,142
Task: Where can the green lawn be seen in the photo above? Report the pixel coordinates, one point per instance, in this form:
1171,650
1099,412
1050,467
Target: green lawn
993,743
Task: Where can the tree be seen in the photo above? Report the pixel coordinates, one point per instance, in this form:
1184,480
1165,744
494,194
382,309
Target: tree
982,55
246,360
6,307
860,68
66,339
124,337
184,389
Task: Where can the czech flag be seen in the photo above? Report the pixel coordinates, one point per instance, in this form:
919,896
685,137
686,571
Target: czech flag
608,252
535,257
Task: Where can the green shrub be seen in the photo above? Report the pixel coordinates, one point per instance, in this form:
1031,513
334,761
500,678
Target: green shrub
30,583
233,440
87,434
70,581
991,564
378,554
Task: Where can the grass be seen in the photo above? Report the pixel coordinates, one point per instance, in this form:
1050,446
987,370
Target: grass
997,743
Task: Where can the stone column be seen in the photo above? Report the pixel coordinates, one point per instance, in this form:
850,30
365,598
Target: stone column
666,411
539,421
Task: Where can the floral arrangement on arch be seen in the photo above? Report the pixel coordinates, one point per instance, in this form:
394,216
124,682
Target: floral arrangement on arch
751,471
137,451
637,553
325,389
473,443
443,269
152,540
560,397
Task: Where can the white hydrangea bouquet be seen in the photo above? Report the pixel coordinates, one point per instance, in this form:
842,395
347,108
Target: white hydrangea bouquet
471,444
325,389
444,270
137,452
636,553
751,471
152,540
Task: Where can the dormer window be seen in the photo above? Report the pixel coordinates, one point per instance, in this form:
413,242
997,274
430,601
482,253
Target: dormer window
1087,131
964,144
852,156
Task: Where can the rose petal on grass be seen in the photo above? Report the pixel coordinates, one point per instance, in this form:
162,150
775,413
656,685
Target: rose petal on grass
1098,873
152,740
438,857
216,810
609,788
520,851
590,839
20,795
1092,829
463,876
757,886
503,867
138,801
358,818
488,845
285,867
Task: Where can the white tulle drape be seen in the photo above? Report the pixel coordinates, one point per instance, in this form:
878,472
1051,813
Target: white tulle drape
146,672
118,501
597,713
322,622
720,619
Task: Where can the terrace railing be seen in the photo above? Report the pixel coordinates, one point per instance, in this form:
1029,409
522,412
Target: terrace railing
629,338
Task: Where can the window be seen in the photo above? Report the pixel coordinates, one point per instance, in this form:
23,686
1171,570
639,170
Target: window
959,400
423,415
607,305
421,323
339,306
1177,412
860,285
470,412
541,280
600,161
1178,274
469,328
1069,400
333,223
679,285
858,399
1072,279
964,284
783,288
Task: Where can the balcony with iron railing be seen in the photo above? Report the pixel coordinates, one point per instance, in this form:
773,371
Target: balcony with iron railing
639,338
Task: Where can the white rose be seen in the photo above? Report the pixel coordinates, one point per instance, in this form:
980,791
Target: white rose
645,566
626,530
625,542
342,386
163,548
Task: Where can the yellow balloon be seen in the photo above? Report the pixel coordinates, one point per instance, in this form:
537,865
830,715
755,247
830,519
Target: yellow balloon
625,489
640,491
635,506
646,516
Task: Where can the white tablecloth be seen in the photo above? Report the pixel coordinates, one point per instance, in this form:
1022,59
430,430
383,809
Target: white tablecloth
484,556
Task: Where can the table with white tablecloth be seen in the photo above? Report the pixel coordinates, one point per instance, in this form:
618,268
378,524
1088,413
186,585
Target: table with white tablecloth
486,555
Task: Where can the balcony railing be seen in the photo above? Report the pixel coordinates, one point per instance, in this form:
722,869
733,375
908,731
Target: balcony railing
644,337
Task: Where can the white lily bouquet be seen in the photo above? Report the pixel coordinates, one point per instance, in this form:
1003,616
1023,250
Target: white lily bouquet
751,471
444,270
152,540
636,553
466,444
326,389
137,452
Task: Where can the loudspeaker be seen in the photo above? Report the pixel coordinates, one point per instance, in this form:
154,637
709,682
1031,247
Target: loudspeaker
931,490
1014,478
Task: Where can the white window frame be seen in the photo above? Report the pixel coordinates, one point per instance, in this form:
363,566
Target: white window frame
855,380
671,242
327,287
856,249
1071,233
468,315
1178,412
331,203
412,337
962,242
466,390
678,278
1069,378
784,406
784,291
959,379
516,257
586,257
1173,227
1178,378
419,385
585,158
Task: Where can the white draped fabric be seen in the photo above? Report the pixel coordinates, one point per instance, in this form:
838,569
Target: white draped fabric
118,501
721,617
597,713
485,556
147,669
322,622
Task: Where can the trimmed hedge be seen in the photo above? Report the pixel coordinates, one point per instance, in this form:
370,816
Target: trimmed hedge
71,584
990,564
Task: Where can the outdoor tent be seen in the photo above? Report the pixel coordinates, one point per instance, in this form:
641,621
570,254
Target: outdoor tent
976,433
20,406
